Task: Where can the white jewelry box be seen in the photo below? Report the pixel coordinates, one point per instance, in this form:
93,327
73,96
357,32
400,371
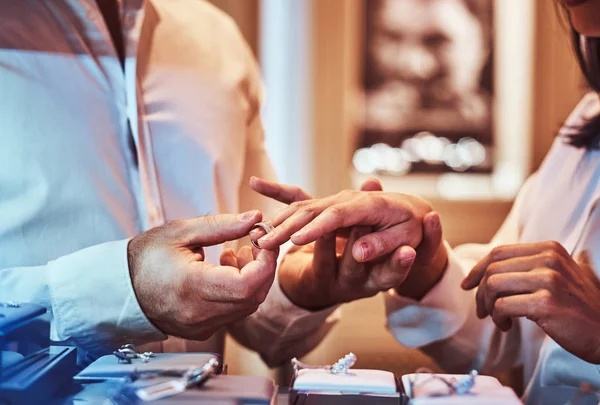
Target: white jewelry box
321,387
422,389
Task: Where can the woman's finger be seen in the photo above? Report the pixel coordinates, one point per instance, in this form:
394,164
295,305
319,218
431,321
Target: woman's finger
512,265
244,256
507,284
325,258
297,218
362,210
352,272
277,191
432,237
371,184
229,258
498,254
392,272
532,306
380,243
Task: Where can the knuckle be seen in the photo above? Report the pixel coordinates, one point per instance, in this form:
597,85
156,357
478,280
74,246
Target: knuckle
297,192
545,302
388,280
497,253
552,259
346,194
376,201
499,308
335,211
555,246
380,243
310,210
493,284
214,222
552,280
494,268
296,205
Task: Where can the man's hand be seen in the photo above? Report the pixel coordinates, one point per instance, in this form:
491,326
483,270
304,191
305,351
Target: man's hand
365,243
186,297
542,282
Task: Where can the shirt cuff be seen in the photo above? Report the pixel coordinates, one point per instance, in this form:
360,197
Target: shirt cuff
291,320
439,315
93,301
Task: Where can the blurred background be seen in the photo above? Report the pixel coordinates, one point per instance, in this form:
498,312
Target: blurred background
457,101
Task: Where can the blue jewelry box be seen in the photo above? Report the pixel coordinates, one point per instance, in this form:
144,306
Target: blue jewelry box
31,370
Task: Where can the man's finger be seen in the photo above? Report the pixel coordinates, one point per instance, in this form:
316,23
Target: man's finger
214,230
280,192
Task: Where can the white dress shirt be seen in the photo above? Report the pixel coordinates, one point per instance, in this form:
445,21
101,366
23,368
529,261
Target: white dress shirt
557,203
92,154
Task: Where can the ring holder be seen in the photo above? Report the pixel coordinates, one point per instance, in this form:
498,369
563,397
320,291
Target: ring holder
427,388
340,384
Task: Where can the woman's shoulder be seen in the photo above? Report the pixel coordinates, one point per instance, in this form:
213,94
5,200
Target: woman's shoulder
587,108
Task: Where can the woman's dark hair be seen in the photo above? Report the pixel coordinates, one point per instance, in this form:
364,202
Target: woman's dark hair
586,135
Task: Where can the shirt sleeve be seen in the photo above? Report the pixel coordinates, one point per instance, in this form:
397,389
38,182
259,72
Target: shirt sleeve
279,330
74,288
444,323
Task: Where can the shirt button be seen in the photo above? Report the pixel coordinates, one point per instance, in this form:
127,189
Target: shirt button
129,19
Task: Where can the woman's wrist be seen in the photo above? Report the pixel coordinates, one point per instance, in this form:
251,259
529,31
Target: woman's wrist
423,277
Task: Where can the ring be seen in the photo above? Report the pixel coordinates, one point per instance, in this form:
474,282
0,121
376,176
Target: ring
265,226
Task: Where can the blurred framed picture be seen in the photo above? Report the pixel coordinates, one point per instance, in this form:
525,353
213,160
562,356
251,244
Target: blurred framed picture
428,87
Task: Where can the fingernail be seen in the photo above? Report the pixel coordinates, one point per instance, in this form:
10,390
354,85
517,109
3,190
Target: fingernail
298,234
364,248
247,216
407,260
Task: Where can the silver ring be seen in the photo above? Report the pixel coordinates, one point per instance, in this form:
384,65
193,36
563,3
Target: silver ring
265,226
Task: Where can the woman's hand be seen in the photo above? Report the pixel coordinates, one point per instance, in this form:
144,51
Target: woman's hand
335,268
396,219
542,282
